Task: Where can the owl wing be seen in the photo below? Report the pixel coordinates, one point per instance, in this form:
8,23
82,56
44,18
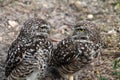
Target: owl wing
64,53
14,57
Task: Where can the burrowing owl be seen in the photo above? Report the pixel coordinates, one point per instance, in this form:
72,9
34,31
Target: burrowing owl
28,55
75,52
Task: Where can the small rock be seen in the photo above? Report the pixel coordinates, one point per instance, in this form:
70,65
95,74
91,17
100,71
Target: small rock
112,31
90,16
80,4
17,28
9,26
12,23
1,38
45,5
76,5
95,0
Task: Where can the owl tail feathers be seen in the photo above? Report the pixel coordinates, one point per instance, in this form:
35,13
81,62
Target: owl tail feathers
53,73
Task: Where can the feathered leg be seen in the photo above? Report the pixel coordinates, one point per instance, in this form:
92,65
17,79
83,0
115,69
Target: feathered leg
70,77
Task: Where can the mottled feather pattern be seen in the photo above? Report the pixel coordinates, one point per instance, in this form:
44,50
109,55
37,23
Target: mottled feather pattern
70,54
30,52
32,57
77,51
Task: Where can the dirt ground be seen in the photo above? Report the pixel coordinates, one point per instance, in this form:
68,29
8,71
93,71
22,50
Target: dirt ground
62,14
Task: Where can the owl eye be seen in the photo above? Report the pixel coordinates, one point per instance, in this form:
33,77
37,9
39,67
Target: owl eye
45,27
81,30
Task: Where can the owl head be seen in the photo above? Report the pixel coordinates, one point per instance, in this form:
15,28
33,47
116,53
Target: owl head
88,40
86,31
35,27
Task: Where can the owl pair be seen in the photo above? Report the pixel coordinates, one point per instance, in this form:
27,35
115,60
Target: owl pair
31,54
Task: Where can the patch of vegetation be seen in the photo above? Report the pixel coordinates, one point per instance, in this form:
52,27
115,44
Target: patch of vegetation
117,4
116,67
116,72
100,77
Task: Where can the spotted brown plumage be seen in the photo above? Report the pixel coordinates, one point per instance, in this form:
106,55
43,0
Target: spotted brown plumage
28,55
77,51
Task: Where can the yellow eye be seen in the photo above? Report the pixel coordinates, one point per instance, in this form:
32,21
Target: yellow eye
81,30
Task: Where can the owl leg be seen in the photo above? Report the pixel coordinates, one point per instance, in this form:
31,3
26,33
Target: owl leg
70,77
76,77
33,76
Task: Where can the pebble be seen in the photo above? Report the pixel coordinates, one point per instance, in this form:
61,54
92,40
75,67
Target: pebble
112,32
9,26
1,38
12,23
17,28
95,0
77,5
80,4
45,5
90,16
